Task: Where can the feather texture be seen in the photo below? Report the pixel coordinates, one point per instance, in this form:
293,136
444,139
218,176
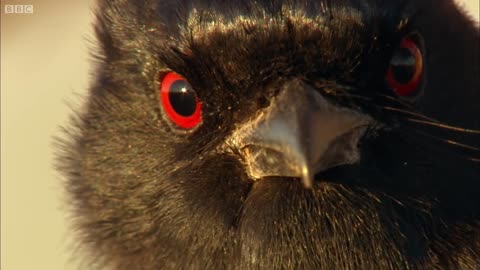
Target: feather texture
146,195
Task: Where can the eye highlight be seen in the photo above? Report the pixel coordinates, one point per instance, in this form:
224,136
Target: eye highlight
180,101
405,72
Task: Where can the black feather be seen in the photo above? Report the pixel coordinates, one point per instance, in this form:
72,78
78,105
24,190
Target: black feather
148,195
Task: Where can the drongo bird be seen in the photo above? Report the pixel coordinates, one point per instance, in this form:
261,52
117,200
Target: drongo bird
279,134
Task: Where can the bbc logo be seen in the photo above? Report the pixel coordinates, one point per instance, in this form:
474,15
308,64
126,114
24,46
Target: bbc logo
19,9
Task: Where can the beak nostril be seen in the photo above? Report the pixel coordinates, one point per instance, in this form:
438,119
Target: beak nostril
268,161
263,102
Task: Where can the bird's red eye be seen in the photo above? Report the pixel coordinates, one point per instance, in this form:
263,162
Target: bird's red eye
180,101
404,75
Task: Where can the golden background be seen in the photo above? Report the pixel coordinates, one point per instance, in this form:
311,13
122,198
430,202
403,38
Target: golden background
44,72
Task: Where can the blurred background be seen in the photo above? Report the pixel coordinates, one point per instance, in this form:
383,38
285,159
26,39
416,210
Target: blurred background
44,73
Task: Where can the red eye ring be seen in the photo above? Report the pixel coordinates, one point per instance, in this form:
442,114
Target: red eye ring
410,87
180,101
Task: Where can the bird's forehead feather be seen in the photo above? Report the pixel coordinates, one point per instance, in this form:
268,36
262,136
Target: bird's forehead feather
201,23
291,37
206,21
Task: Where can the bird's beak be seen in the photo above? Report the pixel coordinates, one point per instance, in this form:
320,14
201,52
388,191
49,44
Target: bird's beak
298,135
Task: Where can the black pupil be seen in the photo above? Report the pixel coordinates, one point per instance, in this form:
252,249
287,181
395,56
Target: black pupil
183,98
403,65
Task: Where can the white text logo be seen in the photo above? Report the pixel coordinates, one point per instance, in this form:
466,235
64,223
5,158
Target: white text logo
19,9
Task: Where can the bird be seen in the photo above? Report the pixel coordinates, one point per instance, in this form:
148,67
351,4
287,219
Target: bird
278,134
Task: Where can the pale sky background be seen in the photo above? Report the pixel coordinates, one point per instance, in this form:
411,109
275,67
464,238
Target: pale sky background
44,66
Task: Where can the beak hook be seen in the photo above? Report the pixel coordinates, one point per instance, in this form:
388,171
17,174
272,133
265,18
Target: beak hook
298,135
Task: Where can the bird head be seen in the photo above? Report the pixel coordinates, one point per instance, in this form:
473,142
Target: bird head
280,134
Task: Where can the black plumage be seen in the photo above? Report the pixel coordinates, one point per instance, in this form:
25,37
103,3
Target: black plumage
306,153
